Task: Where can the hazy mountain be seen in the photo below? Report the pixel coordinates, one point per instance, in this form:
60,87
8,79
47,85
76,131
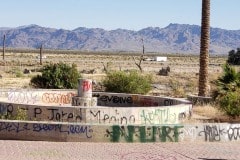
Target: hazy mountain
175,38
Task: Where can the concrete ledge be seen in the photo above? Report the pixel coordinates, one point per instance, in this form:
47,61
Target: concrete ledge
113,108
78,132
199,99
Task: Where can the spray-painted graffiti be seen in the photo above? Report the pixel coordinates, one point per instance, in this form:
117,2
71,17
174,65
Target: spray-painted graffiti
234,133
3,109
129,100
190,133
22,96
56,114
58,98
168,102
42,127
158,116
147,101
214,133
116,118
86,85
43,113
143,133
115,99
6,109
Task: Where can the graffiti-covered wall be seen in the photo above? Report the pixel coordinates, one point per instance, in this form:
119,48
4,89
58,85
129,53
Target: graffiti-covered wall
78,132
112,108
63,97
99,115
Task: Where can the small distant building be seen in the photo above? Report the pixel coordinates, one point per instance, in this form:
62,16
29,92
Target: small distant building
160,59
43,57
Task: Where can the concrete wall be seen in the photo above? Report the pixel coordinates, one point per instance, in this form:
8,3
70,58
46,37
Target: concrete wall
113,108
38,96
78,132
117,118
64,97
98,115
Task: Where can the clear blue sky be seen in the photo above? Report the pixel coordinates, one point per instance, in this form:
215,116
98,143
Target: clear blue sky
113,14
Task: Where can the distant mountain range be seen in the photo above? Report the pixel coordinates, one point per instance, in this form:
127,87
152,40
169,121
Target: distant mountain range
175,38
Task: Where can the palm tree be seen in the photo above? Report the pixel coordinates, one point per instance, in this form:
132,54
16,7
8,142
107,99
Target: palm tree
204,48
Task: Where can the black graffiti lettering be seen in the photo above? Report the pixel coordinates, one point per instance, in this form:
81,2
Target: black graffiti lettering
52,113
58,116
37,111
234,133
63,114
70,116
182,116
79,115
212,133
55,114
168,102
116,99
113,118
123,119
9,109
105,117
132,119
96,115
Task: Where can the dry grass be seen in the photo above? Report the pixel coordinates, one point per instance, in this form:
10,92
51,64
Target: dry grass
208,111
212,114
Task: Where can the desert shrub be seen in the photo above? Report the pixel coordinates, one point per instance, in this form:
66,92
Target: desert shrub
230,75
17,72
132,82
177,88
234,57
230,103
57,76
227,94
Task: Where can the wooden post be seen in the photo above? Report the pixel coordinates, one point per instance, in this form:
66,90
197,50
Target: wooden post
4,37
40,55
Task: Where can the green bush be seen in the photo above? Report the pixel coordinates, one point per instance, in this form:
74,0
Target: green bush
234,57
227,94
230,75
230,103
122,82
57,76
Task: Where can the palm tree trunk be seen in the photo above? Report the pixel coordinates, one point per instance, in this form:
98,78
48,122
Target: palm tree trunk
204,49
4,38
